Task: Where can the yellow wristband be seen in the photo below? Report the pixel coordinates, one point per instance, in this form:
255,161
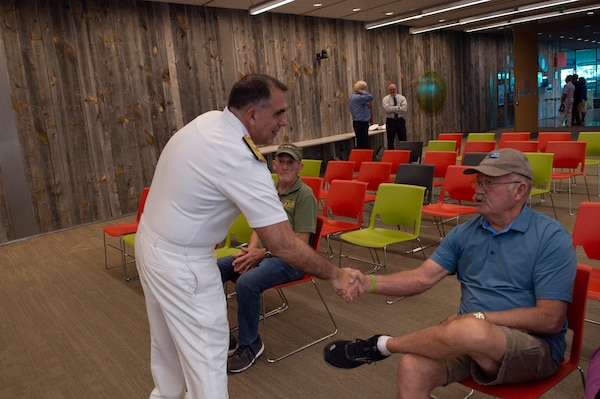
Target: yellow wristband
372,283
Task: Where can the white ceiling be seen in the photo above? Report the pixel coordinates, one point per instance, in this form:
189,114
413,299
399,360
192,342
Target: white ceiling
580,26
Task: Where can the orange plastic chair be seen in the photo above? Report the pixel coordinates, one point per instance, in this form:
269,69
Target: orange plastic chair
522,145
374,174
336,170
459,188
568,162
346,200
315,243
585,235
510,136
534,389
441,160
315,183
453,136
120,230
479,146
544,137
395,157
358,156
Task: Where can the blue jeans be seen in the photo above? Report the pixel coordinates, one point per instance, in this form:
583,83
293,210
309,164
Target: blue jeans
249,285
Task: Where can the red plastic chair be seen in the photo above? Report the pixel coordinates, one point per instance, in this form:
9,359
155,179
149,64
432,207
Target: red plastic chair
510,136
315,243
441,160
336,170
568,162
120,230
522,145
544,137
458,187
453,136
534,389
358,156
346,200
395,157
374,173
315,183
479,146
585,235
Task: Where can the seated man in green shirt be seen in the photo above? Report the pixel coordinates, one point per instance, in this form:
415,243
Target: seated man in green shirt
254,269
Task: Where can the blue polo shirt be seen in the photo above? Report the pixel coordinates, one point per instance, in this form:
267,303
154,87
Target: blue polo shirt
531,259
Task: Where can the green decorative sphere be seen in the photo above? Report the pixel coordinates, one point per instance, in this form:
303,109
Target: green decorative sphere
431,92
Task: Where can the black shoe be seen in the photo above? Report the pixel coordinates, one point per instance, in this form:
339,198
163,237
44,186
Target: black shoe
351,354
245,356
233,345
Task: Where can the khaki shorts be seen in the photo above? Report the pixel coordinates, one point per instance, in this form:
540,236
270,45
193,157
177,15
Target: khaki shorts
582,106
527,358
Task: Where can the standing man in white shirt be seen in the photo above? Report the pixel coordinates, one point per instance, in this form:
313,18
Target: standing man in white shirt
207,174
395,106
566,102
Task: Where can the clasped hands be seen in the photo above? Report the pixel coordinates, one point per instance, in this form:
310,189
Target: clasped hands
247,259
348,283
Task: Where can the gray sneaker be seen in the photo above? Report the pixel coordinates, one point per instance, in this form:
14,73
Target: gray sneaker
245,356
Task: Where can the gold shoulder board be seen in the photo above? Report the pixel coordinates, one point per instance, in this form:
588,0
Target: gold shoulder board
254,149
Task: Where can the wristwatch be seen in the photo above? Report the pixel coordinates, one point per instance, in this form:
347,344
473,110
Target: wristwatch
479,315
267,253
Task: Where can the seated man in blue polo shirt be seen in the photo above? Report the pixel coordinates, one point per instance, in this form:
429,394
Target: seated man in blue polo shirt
516,268
255,269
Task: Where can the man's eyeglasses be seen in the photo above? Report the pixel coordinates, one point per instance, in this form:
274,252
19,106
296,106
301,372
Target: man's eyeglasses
488,185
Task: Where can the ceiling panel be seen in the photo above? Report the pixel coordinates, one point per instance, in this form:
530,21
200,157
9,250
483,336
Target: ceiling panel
566,29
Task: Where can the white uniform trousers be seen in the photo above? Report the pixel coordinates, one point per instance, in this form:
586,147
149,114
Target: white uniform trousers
187,315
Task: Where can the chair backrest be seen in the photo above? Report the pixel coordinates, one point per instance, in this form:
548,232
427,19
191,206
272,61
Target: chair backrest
441,160
312,167
142,203
374,173
441,145
399,205
457,185
415,147
358,156
395,157
452,136
340,170
592,139
315,240
315,183
541,164
479,146
488,136
567,154
473,158
417,175
544,137
576,311
510,136
346,199
585,230
239,229
522,145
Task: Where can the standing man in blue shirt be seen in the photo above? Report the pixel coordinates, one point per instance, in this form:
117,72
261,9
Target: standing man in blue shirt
516,268
361,114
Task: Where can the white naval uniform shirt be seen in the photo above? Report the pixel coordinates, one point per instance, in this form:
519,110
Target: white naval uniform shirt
205,176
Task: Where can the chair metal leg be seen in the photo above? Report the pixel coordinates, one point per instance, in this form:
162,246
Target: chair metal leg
323,338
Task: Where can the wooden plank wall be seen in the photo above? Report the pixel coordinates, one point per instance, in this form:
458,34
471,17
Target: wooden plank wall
98,87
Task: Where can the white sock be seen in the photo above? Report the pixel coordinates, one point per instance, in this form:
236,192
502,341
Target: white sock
381,345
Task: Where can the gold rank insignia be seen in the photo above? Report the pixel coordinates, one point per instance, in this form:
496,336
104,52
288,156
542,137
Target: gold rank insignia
254,149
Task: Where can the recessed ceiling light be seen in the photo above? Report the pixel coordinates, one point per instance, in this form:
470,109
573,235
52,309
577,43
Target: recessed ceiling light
356,9
317,4
388,13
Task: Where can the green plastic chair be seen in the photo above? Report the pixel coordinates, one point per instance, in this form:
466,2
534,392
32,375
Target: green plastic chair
397,211
481,136
592,149
312,167
441,145
242,232
541,163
